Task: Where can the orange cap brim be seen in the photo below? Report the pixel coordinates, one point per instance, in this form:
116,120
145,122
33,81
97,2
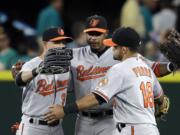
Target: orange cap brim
109,42
95,29
61,38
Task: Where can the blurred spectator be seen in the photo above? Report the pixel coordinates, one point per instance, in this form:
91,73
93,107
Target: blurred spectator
33,48
27,29
21,48
78,35
6,52
27,48
152,52
166,18
50,16
3,17
146,10
176,2
132,17
16,24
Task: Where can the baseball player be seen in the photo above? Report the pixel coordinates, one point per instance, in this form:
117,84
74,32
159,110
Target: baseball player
89,65
42,90
131,82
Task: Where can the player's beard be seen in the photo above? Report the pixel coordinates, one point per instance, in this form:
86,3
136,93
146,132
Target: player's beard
117,58
117,54
96,47
114,57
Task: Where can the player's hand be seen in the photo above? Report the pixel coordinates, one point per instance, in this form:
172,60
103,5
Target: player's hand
15,127
56,112
16,68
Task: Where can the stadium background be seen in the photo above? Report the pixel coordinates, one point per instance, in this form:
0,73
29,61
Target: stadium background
72,10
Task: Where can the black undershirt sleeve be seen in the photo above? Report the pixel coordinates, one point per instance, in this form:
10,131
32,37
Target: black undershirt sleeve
19,81
99,98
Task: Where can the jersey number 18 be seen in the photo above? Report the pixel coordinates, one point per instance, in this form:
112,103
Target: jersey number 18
146,89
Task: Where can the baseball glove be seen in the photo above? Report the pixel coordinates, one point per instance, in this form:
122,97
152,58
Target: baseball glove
162,109
56,61
170,47
16,68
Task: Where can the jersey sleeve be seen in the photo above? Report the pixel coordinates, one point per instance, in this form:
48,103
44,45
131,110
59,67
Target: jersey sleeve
155,66
110,85
157,89
26,67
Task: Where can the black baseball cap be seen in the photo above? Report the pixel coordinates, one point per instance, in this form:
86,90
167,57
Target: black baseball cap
124,36
55,34
96,23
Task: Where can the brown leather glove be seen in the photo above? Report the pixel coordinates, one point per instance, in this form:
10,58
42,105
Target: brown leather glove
170,47
16,68
162,109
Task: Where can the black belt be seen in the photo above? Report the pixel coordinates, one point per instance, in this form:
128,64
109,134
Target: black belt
42,122
98,114
120,126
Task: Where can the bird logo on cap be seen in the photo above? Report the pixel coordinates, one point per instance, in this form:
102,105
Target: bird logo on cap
60,31
94,22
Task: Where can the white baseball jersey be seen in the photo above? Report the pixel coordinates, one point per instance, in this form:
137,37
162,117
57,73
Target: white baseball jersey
134,86
43,90
88,69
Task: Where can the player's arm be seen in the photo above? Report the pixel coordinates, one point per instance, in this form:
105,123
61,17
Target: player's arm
158,93
161,100
57,111
17,73
157,90
101,94
22,78
162,68
89,101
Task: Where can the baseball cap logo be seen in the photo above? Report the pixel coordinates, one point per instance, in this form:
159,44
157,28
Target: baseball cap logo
94,22
60,31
